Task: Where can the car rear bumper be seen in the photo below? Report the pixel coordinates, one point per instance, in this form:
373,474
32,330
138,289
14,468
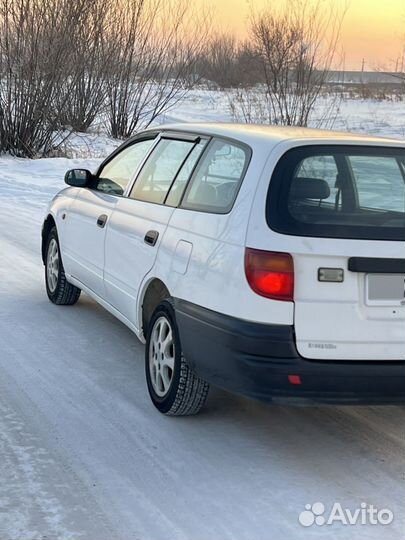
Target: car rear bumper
257,359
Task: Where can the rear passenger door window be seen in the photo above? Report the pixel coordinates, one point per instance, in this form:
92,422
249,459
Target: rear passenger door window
157,175
216,181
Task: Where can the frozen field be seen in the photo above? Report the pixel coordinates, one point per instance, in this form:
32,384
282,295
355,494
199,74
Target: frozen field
386,118
84,455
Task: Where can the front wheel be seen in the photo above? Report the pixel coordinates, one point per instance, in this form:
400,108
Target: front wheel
174,389
58,289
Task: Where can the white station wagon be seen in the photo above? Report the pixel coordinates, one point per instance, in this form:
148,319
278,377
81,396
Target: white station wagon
267,261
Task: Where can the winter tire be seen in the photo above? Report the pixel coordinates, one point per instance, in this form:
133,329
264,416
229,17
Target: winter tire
174,389
59,290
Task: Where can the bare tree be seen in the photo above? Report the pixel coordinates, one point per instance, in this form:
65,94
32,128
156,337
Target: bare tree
34,45
227,63
249,65
296,47
82,96
157,45
64,63
218,62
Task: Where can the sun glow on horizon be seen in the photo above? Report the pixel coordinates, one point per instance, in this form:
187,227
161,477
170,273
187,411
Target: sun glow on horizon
373,31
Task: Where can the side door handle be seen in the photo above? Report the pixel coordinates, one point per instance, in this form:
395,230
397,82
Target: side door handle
102,220
151,238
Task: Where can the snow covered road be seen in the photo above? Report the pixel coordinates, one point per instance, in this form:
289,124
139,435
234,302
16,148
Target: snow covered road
84,455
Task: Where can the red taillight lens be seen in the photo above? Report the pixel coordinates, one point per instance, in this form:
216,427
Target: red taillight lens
270,274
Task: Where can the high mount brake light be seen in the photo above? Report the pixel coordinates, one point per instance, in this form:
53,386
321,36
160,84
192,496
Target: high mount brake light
270,274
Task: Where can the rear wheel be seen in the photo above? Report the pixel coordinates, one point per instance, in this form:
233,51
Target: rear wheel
174,389
59,290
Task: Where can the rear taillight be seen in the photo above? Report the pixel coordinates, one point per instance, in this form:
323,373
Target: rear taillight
270,274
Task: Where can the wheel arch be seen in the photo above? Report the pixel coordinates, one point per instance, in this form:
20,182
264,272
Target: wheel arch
49,223
154,292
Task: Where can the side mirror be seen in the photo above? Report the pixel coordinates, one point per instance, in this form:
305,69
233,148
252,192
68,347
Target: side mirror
78,177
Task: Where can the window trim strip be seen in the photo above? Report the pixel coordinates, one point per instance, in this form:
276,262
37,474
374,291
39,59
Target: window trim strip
196,143
142,163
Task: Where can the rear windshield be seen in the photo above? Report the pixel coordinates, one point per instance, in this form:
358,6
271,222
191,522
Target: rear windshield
339,192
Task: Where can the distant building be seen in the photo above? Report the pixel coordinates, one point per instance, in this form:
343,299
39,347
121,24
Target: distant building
369,78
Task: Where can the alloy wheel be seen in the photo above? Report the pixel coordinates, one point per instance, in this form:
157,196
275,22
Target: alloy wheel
52,265
161,356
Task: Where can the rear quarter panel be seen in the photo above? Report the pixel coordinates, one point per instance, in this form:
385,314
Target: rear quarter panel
213,276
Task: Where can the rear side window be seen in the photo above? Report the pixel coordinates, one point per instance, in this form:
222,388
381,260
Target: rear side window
339,192
217,179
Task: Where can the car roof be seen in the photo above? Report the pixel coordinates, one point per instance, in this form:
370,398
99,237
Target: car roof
252,134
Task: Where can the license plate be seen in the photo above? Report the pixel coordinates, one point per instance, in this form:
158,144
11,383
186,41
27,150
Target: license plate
385,289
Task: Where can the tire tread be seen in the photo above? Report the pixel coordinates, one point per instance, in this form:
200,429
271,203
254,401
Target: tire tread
191,394
65,293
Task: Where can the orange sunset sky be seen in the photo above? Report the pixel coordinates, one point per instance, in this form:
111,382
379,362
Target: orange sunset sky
372,29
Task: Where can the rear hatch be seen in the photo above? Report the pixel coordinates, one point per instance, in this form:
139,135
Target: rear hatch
343,211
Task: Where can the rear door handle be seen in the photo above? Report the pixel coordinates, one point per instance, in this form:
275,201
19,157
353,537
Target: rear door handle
102,220
151,238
